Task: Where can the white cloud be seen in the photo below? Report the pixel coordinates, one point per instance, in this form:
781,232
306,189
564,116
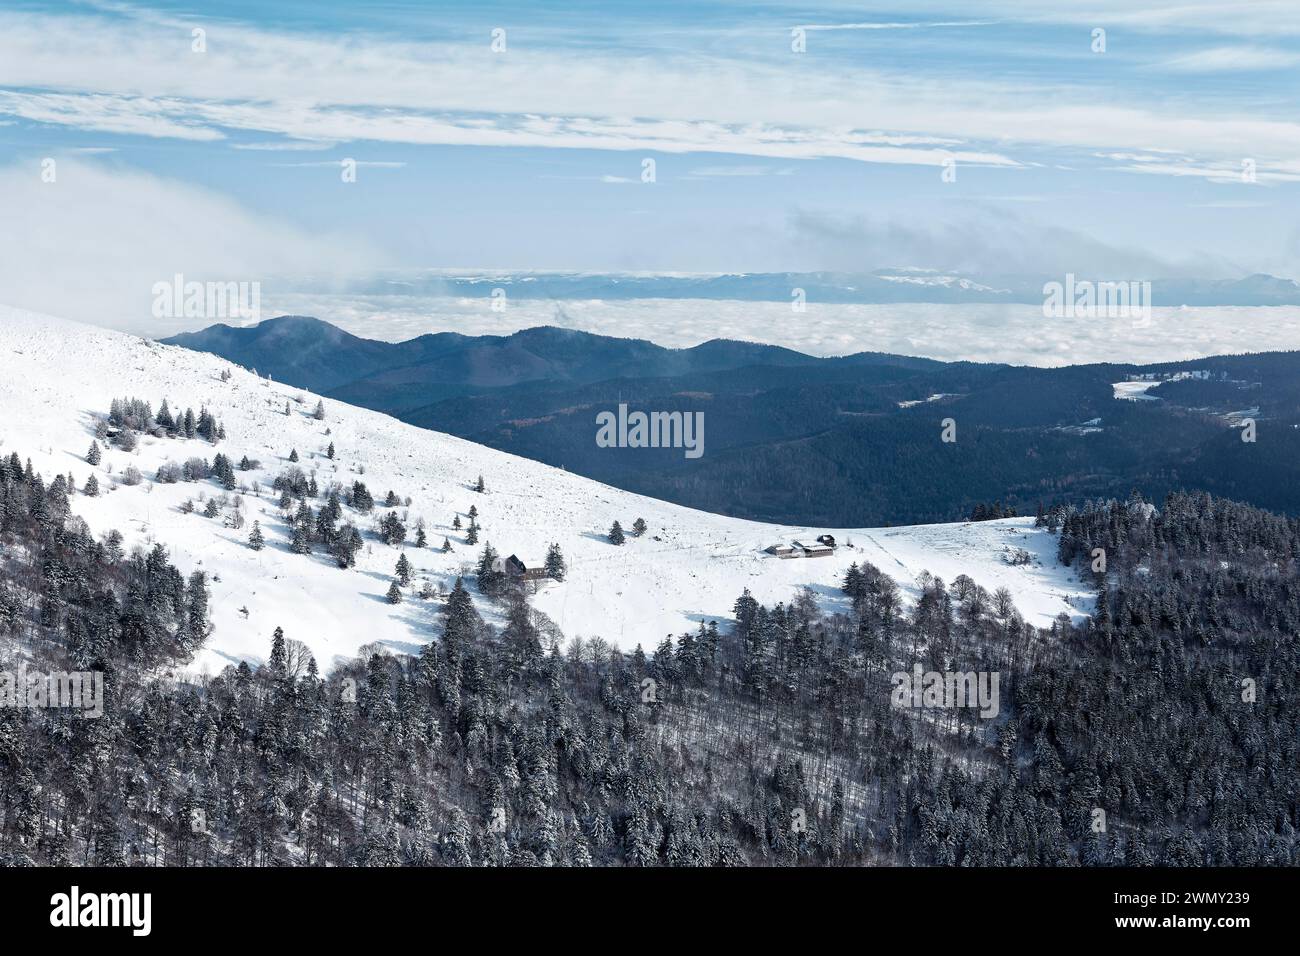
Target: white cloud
987,241
1263,18
281,146
915,25
96,240
1230,204
1232,59
337,163
128,115
724,172
1224,172
68,70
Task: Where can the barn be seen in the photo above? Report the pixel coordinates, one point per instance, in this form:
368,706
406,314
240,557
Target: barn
782,551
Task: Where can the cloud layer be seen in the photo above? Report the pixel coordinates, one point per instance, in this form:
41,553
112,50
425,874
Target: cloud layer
723,98
95,240
1016,334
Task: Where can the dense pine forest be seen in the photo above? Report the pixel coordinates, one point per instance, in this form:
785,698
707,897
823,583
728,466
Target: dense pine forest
1163,730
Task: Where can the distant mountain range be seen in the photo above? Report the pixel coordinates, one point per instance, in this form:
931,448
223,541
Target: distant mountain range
852,441
881,286
398,377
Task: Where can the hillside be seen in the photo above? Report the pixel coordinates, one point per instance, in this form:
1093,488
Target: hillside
802,440
58,378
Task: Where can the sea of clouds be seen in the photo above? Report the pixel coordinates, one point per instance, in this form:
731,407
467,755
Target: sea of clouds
1016,334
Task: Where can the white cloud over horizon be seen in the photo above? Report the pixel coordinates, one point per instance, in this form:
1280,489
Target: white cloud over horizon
1014,334
95,241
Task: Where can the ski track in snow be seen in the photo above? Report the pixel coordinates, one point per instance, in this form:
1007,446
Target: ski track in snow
57,376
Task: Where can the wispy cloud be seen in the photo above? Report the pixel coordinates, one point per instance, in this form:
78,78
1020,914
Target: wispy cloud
337,163
1231,59
900,25
66,70
285,146
128,115
724,172
1230,204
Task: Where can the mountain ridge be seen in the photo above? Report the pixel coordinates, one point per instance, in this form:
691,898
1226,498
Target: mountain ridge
291,348
867,424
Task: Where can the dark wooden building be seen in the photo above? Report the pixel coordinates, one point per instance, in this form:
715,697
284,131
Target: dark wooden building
525,570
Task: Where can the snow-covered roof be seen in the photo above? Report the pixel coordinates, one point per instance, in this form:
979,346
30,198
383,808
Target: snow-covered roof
815,546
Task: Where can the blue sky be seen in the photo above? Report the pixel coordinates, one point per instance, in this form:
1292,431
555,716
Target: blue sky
1126,162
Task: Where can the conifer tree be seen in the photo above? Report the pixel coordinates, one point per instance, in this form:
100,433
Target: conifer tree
277,664
394,594
255,539
92,487
347,543
479,486
303,525
361,498
93,455
391,529
638,527
555,566
490,578
403,571
616,534
164,418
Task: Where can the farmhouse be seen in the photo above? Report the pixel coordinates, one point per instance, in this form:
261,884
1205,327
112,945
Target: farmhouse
817,550
827,539
525,570
782,551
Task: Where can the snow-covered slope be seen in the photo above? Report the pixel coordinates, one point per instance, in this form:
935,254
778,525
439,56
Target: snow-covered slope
56,377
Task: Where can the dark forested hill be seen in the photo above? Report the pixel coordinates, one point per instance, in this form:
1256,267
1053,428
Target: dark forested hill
848,441
392,377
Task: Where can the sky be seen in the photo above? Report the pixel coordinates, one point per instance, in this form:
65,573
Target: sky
138,141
